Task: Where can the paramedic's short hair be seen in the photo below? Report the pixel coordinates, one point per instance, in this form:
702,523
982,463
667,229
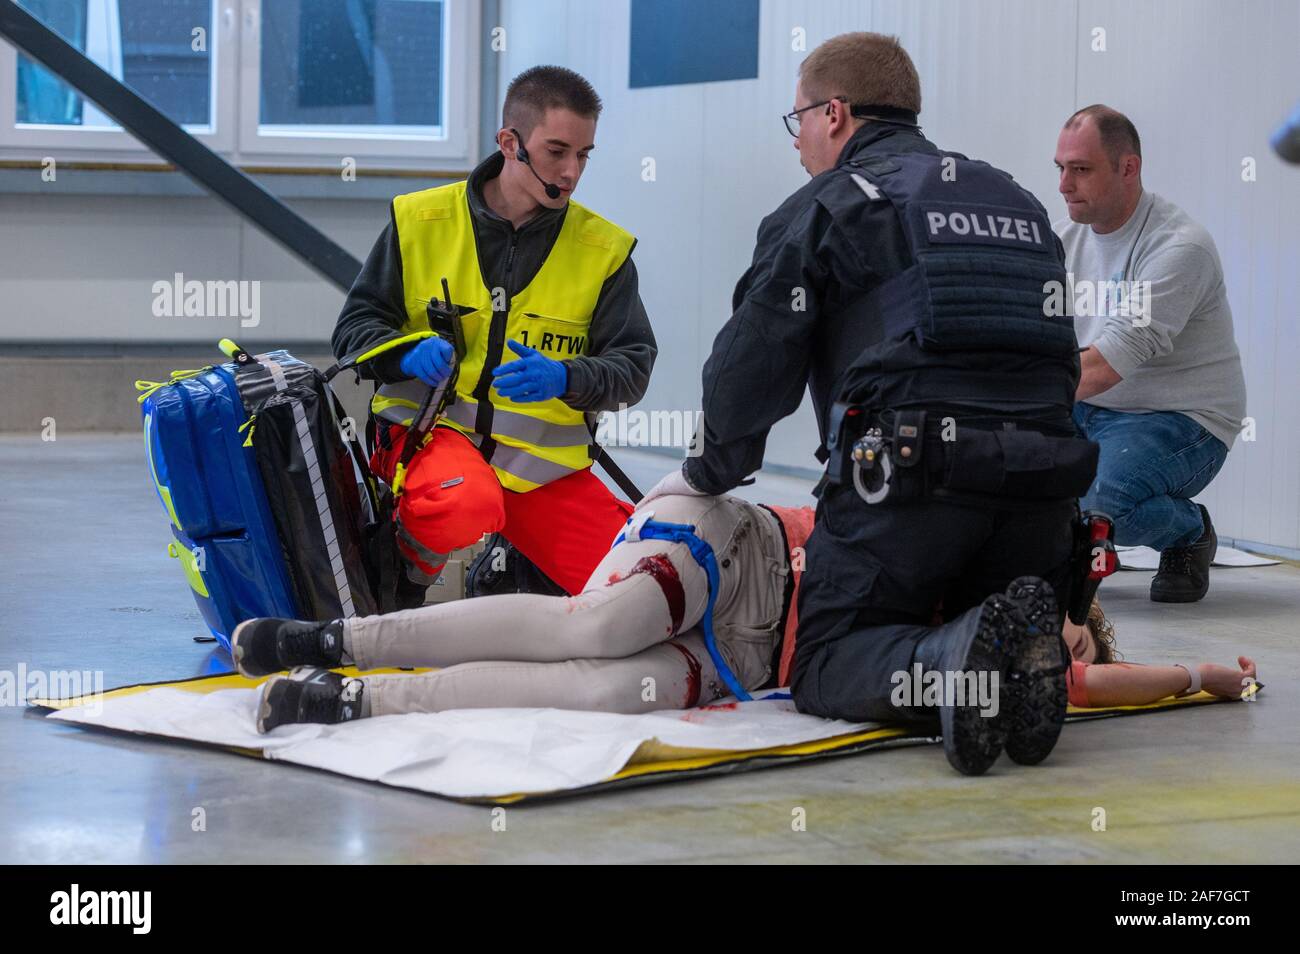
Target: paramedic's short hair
1119,137
864,68
536,90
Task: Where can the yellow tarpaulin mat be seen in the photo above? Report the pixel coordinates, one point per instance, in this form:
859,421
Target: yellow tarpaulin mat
409,751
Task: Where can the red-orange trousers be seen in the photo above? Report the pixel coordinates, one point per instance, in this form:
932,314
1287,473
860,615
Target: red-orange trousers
452,497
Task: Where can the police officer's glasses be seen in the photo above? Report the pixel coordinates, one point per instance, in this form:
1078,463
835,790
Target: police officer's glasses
793,119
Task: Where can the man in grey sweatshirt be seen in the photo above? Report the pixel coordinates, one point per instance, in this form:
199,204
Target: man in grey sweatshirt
1161,388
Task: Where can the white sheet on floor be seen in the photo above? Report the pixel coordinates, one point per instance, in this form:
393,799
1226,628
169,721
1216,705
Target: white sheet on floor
1144,558
464,753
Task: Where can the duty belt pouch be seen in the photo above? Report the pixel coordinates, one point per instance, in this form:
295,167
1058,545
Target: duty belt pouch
907,452
1021,464
844,426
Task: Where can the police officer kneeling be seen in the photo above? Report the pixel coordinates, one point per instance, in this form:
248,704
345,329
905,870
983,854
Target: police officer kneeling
905,287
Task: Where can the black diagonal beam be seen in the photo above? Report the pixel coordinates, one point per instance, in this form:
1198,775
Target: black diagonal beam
171,142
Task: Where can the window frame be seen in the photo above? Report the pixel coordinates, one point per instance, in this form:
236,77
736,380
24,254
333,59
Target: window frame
235,45
88,144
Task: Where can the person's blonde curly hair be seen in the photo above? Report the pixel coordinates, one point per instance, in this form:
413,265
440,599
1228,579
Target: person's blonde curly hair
1103,634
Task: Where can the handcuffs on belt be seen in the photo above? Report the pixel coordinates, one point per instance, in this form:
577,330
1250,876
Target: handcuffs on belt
869,452
873,455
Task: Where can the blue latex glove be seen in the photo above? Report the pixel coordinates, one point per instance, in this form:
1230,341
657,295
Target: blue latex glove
533,377
430,361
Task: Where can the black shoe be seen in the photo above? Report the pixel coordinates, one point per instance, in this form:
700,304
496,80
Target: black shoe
976,642
309,695
266,645
1037,662
1184,574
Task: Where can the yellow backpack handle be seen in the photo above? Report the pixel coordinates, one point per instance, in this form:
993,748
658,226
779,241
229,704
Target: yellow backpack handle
228,348
148,387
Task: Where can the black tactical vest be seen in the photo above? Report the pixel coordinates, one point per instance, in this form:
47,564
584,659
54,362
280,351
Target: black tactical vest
966,326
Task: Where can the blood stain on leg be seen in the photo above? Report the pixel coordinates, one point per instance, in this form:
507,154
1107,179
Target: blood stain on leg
692,675
661,569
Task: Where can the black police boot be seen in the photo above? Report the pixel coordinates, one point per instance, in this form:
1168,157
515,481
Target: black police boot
266,645
974,642
1037,661
309,695
1184,574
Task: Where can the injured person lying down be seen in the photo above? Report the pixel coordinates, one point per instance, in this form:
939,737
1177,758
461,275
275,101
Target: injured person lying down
670,619
633,640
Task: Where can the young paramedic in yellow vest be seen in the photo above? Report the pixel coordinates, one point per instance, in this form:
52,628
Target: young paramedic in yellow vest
554,329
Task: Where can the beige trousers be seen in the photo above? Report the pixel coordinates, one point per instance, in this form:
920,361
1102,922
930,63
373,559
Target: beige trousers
626,643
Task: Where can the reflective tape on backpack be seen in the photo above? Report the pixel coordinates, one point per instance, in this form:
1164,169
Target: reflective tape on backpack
318,490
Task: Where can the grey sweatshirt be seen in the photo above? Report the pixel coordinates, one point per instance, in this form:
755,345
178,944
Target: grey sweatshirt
1171,341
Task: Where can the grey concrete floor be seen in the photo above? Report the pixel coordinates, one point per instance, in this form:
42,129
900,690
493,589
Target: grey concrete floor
85,584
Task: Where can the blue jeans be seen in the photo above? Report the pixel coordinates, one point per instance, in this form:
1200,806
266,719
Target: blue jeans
1151,465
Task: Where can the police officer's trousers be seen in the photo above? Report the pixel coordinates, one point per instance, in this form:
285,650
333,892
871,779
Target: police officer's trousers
876,576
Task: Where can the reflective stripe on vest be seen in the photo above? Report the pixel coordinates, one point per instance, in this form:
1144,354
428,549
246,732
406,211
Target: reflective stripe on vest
402,399
523,464
537,442
521,427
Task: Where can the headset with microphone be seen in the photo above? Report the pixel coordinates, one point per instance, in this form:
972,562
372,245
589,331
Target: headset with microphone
521,153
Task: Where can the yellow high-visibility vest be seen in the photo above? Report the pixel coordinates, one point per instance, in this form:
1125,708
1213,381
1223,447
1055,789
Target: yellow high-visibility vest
537,442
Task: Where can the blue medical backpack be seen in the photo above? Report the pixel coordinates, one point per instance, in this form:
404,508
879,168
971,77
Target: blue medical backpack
273,509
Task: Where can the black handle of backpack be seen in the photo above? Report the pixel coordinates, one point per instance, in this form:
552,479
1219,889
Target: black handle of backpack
242,358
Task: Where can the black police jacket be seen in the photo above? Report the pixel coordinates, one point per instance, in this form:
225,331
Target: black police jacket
798,320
